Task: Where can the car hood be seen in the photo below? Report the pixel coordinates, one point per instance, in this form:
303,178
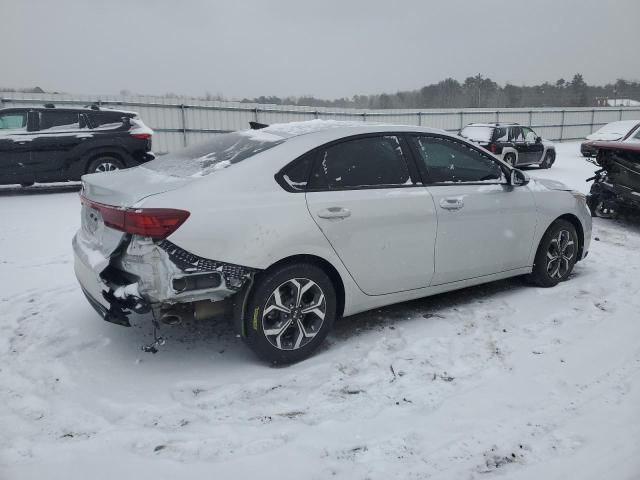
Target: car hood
126,188
548,184
604,136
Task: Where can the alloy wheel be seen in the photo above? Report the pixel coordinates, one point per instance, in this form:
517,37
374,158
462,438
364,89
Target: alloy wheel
106,167
560,255
294,314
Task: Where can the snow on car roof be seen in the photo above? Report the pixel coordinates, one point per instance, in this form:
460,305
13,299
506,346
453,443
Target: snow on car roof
294,129
621,126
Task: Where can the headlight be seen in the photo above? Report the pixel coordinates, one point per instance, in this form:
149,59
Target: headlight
579,195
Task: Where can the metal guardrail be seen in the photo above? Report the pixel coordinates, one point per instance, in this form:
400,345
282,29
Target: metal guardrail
193,120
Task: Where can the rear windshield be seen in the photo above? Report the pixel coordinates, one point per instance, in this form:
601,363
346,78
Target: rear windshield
221,152
477,133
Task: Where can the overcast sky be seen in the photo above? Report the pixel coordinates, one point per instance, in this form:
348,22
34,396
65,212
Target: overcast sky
326,48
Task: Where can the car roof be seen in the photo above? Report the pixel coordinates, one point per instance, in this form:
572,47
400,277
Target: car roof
624,122
85,109
493,124
338,129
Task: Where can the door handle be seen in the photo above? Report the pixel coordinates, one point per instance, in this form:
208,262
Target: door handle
451,203
334,212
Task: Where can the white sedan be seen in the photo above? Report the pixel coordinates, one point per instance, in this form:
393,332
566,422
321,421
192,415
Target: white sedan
292,226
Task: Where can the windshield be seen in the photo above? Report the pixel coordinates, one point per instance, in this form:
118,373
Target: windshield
221,152
477,133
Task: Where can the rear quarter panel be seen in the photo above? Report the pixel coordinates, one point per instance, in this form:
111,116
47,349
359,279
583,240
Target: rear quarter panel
241,215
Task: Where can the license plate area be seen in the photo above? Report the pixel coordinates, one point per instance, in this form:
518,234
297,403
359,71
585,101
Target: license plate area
91,220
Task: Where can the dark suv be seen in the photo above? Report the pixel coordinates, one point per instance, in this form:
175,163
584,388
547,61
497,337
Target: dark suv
51,144
513,143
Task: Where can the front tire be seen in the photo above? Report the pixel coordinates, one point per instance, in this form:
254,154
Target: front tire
549,159
556,256
290,313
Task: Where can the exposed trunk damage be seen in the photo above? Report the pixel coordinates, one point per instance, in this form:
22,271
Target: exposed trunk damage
123,273
141,274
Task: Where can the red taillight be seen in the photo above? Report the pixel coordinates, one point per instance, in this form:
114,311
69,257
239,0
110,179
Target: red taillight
141,136
148,222
493,148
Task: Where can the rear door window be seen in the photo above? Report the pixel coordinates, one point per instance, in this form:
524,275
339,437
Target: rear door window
361,163
13,121
516,135
56,121
449,161
501,134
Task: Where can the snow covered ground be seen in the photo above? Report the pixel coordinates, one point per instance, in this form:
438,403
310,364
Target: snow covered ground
498,381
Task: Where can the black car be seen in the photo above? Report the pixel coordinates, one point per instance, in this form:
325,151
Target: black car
50,144
515,144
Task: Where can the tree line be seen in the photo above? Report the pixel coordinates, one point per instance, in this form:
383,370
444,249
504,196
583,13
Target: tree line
478,92
474,92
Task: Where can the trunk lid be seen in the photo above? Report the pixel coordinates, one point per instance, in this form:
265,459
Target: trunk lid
125,188
122,188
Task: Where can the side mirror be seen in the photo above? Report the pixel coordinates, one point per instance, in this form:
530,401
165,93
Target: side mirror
538,139
518,178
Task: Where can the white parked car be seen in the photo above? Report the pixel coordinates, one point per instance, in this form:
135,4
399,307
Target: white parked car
295,225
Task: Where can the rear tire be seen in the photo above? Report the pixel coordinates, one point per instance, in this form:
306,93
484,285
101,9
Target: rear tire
105,164
510,158
556,256
290,313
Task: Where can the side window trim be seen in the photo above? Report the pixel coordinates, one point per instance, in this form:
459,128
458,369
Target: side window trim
428,182
279,176
407,154
52,130
317,160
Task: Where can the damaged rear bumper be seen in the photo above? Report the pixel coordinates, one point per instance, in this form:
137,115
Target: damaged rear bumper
142,275
100,295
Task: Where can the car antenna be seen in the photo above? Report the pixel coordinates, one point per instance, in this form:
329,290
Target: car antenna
257,125
49,105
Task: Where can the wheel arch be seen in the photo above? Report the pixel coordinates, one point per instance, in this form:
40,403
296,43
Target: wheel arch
551,150
326,266
575,221
506,150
